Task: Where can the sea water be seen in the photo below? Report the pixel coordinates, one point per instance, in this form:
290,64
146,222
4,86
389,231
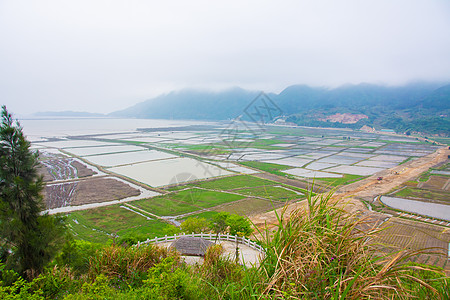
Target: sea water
36,129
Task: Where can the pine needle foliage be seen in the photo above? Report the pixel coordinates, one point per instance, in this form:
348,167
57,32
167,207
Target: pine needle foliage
29,238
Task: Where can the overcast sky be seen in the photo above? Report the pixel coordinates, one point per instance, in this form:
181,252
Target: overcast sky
101,56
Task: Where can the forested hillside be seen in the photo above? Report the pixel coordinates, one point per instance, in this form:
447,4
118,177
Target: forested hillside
420,107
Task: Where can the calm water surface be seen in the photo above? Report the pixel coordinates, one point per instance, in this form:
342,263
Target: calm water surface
63,127
435,210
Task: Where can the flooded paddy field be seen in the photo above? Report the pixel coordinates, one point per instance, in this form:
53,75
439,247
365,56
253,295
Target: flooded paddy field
433,210
355,170
377,163
320,166
311,173
106,149
169,171
128,158
66,143
291,161
279,163
425,198
236,168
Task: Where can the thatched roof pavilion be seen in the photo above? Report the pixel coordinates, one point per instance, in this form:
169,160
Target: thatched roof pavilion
191,246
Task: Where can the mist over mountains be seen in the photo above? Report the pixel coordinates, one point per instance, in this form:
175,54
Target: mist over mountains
419,107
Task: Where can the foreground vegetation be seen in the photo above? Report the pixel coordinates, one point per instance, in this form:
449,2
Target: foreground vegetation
28,239
320,252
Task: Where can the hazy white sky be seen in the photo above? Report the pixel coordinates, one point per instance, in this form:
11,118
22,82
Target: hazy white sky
101,56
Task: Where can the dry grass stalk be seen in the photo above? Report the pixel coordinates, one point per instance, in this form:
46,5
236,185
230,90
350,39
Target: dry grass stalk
323,252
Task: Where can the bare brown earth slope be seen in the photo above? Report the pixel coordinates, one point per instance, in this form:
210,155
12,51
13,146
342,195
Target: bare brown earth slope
399,233
369,187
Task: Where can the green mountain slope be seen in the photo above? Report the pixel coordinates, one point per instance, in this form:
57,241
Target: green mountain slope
420,107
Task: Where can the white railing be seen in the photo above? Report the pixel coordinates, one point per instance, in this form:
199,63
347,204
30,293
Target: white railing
207,236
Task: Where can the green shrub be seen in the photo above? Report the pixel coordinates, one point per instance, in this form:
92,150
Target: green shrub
57,282
75,254
20,290
128,264
7,277
130,239
99,289
168,280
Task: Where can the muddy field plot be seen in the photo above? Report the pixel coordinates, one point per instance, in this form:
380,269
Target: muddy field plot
436,182
59,195
88,191
64,169
401,234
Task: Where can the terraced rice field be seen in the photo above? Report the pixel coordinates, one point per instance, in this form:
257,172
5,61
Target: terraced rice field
200,169
400,234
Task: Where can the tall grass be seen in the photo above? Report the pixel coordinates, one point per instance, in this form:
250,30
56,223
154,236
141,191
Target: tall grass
317,252
130,264
323,252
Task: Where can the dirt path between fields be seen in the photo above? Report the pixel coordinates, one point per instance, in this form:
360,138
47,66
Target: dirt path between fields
368,188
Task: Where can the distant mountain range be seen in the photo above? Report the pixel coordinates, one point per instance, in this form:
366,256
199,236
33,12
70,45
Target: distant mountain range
419,107
67,114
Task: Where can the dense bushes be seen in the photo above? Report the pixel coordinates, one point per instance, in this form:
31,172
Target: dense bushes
320,252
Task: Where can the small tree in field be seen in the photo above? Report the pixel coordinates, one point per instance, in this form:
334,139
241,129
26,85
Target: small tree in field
240,226
220,224
195,225
30,238
233,224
